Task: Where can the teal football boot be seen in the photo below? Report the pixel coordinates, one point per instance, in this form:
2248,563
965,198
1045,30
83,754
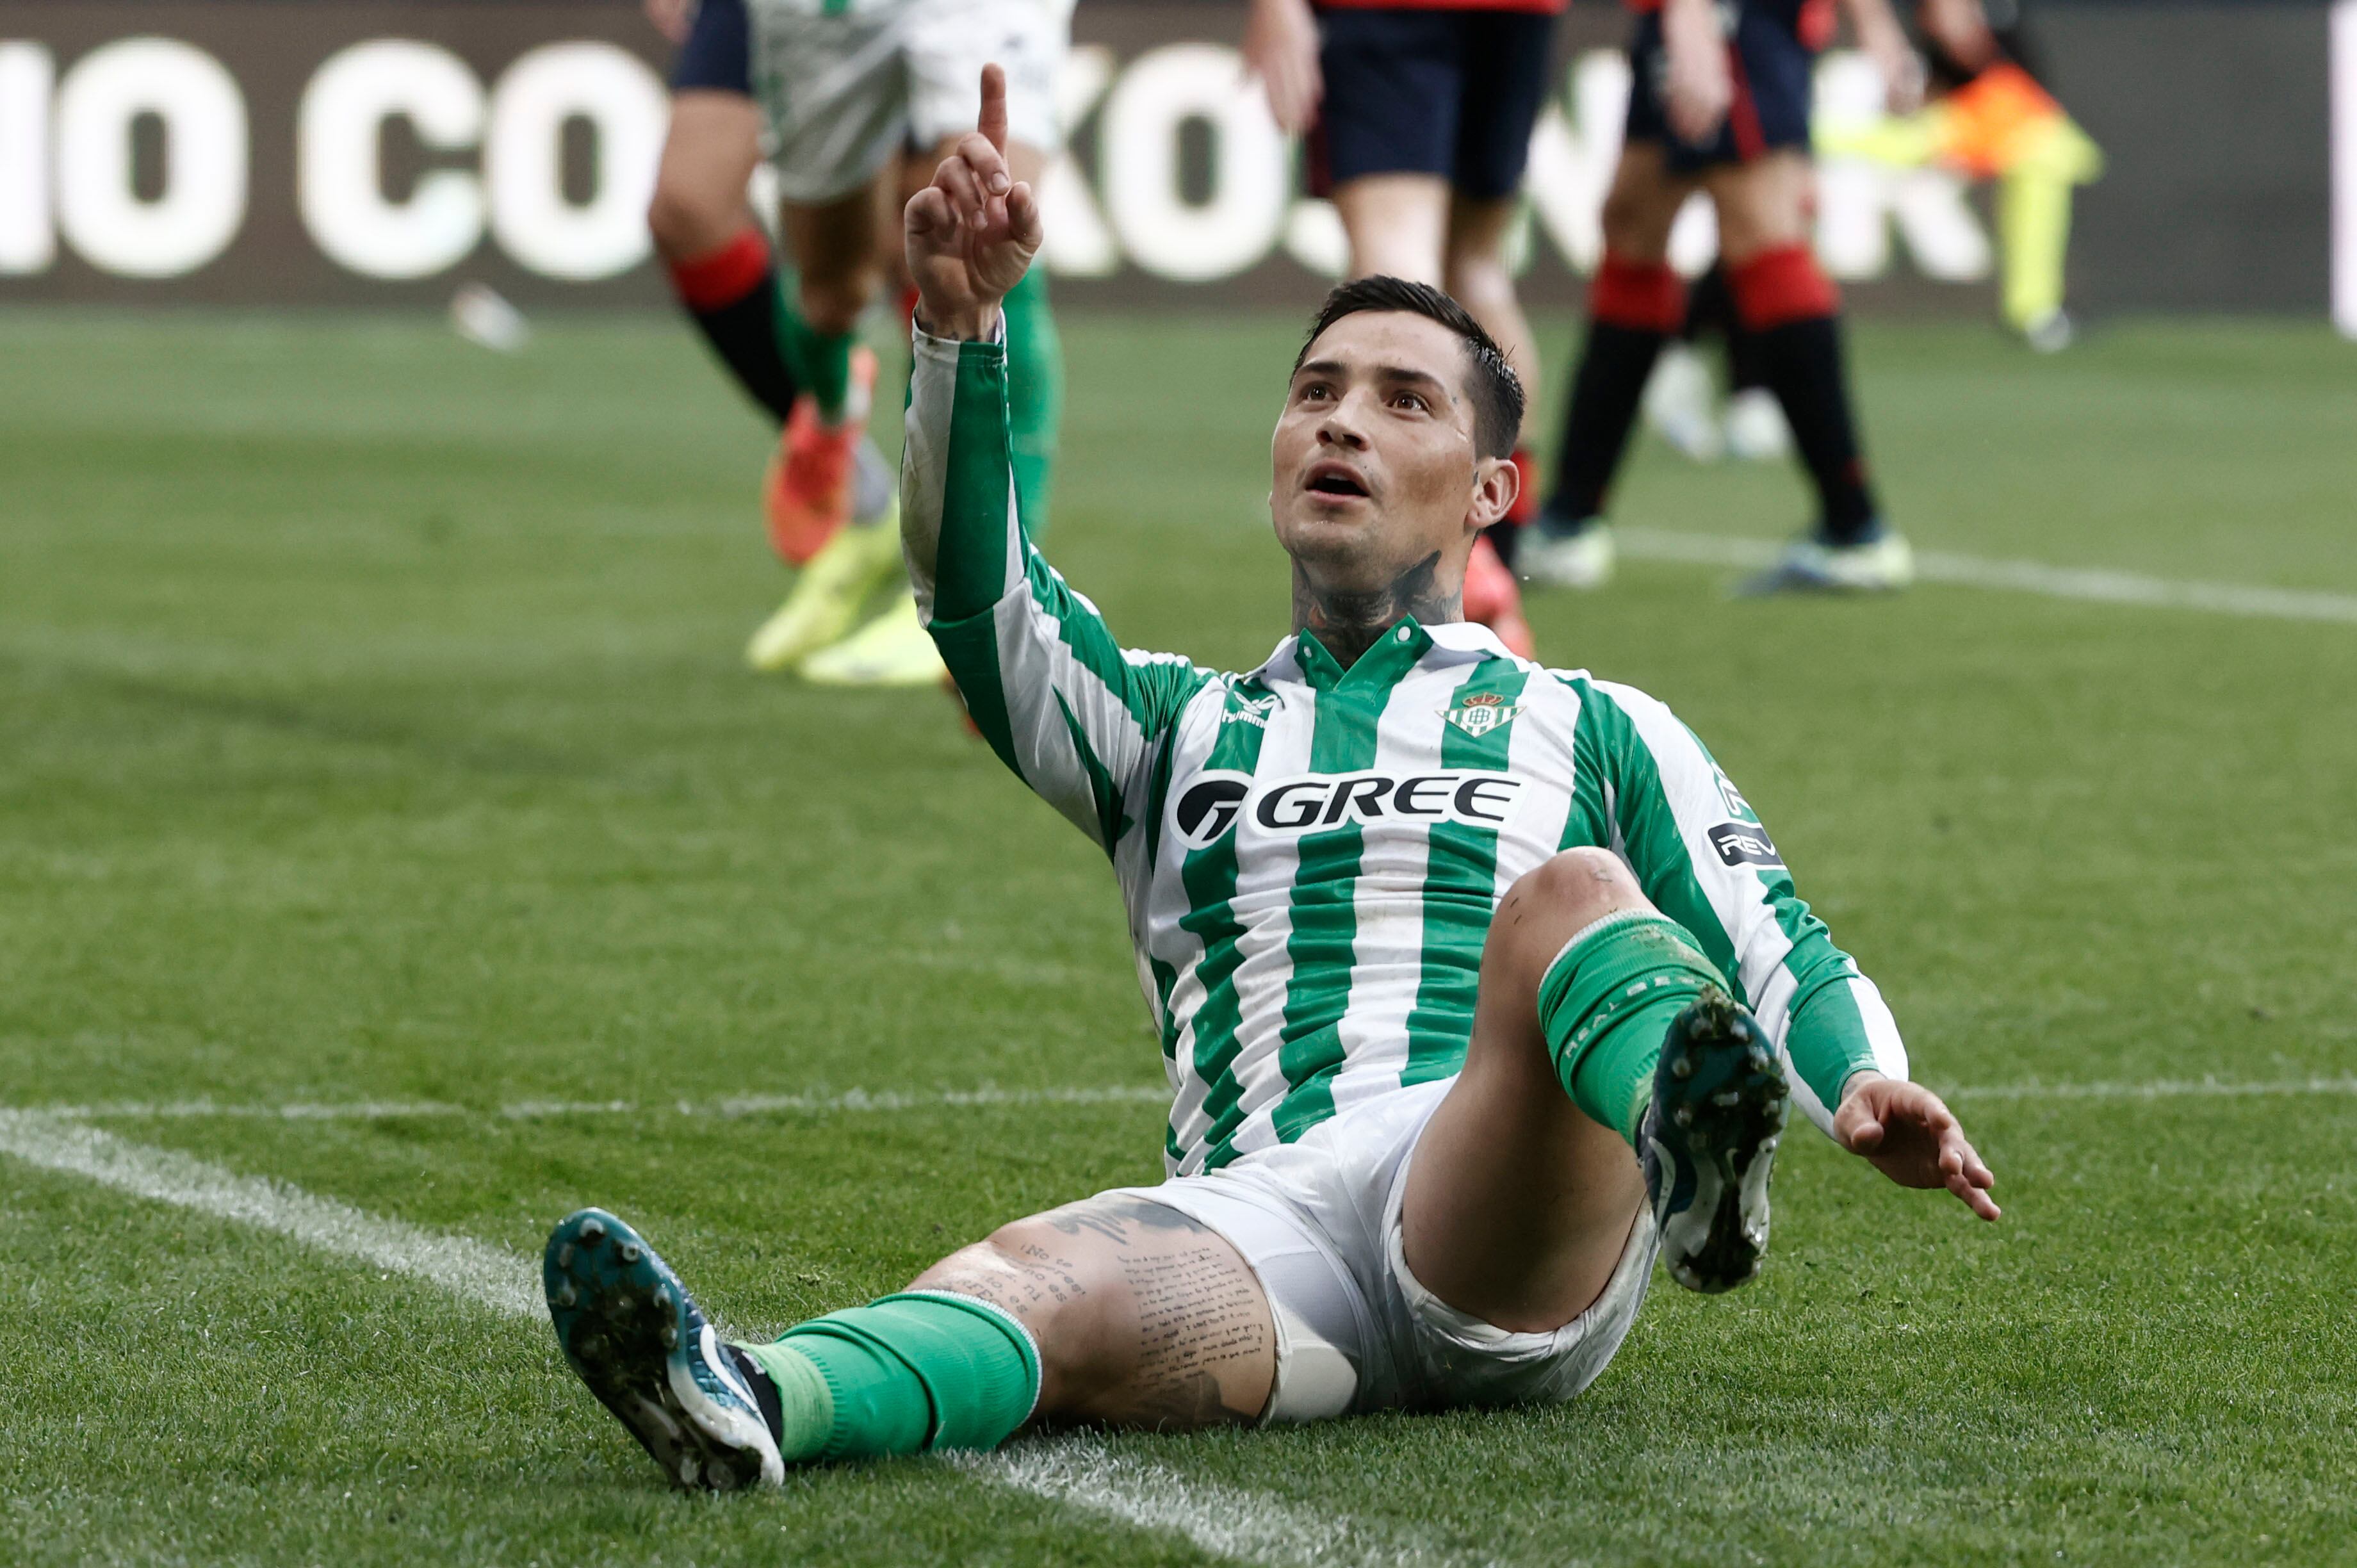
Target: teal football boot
1708,1143
652,1356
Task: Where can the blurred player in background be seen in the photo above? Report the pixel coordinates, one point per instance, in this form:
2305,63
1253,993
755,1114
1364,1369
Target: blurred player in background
840,91
1992,119
1418,117
1682,401
727,277
1720,103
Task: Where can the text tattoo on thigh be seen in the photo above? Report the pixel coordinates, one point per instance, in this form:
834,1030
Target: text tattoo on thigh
1199,1318
1201,1331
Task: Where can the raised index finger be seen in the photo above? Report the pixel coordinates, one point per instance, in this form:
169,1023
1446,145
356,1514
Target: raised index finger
992,123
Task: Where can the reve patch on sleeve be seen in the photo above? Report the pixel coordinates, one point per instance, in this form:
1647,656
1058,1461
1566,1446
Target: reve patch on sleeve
1744,844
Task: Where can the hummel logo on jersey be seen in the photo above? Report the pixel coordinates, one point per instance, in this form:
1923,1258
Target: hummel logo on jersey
1313,803
1744,844
1481,712
1252,710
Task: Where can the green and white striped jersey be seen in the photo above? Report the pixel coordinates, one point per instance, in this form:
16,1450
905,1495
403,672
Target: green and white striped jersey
1310,855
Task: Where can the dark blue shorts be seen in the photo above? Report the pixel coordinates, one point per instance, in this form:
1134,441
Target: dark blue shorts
1773,71
1421,91
718,54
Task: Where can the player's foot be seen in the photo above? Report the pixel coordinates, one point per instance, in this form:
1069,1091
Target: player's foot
1679,406
647,1351
826,600
1756,428
1709,1143
2051,333
808,491
1564,555
1883,564
1494,599
893,650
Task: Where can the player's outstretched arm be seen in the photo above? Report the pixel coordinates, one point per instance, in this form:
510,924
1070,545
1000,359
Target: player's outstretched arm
1075,715
1905,1132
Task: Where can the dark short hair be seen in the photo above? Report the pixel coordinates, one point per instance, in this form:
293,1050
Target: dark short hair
1496,391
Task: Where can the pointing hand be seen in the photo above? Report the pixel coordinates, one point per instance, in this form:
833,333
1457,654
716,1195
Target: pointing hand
972,232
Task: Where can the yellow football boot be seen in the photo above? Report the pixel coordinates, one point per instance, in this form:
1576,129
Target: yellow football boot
893,650
827,595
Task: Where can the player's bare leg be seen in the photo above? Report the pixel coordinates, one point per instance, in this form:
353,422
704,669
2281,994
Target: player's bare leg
720,259
1144,1316
1518,1203
1409,226
1635,305
833,244
1524,1186
709,154
1397,225
1790,312
1113,1310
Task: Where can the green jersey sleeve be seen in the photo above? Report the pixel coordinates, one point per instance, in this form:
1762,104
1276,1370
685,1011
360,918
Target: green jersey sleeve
1077,716
1706,861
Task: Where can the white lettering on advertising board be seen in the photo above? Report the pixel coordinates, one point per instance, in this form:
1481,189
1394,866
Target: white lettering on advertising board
497,166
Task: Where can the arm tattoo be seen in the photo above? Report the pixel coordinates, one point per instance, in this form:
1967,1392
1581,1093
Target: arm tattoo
1349,622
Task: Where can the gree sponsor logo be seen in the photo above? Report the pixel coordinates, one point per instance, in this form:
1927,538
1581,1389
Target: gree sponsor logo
1215,804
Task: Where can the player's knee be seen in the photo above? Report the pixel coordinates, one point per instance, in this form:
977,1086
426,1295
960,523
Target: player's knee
1633,225
686,222
1575,888
832,300
1477,276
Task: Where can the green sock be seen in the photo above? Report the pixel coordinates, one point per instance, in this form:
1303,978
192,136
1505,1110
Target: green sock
1035,394
1606,1003
821,362
906,1374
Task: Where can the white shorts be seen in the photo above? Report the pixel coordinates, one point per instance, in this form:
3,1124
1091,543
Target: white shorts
1319,1220
846,89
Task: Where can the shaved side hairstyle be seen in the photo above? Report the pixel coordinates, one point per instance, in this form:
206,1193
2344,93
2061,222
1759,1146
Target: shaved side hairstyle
1496,392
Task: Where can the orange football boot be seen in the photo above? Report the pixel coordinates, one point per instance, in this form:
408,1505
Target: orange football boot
807,491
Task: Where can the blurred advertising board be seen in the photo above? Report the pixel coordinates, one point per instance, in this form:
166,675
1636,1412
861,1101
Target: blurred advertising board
351,151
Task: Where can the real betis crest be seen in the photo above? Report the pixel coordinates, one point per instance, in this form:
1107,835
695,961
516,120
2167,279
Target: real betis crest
1482,712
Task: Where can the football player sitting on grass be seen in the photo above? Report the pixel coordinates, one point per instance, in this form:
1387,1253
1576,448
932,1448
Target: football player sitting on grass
1479,984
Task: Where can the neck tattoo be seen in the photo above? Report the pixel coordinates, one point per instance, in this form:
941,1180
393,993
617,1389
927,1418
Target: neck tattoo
1349,621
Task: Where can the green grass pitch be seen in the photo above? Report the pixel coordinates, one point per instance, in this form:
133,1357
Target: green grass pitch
371,728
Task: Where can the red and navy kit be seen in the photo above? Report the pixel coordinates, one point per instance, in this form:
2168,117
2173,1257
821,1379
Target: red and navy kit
1447,87
718,54
1771,49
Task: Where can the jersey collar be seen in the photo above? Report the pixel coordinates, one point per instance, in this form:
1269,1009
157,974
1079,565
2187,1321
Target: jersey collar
1303,658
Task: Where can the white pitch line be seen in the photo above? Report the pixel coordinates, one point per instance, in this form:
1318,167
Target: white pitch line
1083,1473
475,1270
2093,584
1230,1521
